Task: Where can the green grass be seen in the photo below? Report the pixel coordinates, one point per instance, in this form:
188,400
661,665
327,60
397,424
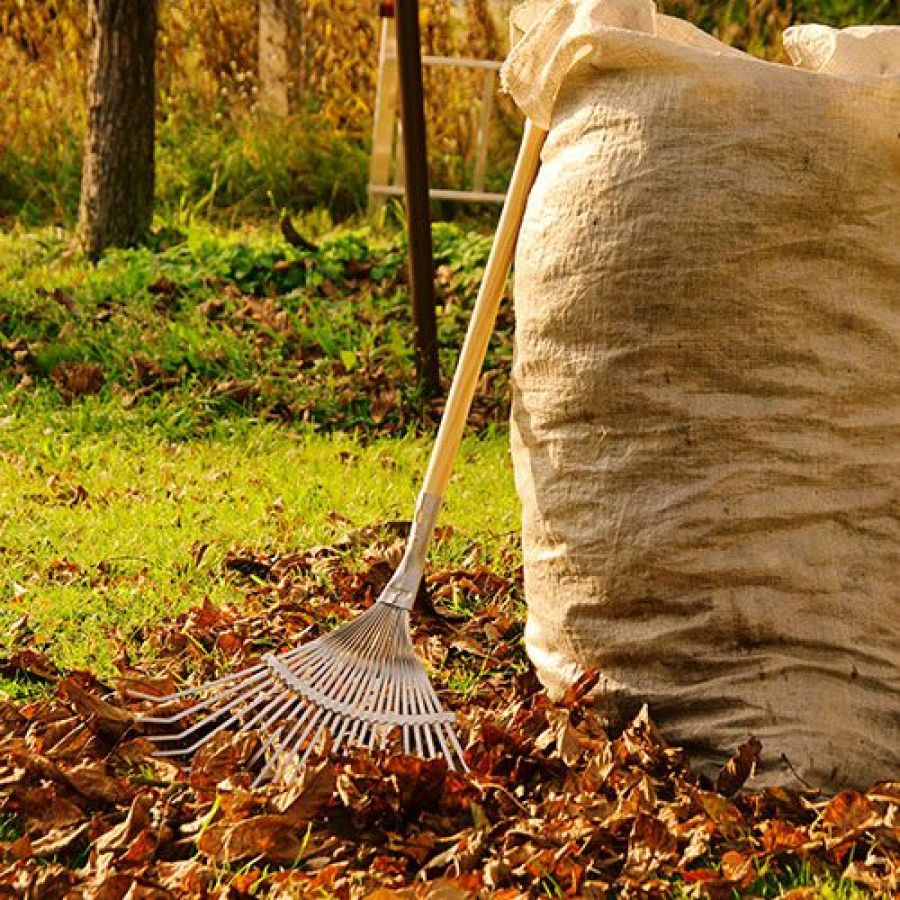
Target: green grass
210,323
102,513
9,829
230,168
827,883
279,420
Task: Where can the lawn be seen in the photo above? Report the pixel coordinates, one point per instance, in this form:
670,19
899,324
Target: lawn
210,448
105,532
219,391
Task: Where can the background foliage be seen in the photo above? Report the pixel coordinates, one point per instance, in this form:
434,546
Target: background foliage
217,156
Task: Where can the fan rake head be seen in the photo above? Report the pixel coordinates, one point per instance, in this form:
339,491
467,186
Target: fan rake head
361,682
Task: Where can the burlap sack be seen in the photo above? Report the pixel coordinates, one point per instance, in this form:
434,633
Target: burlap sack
706,410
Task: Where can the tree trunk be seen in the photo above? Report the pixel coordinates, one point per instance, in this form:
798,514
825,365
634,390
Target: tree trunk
280,43
117,173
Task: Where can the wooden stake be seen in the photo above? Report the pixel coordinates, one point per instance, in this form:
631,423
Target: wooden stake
418,213
385,110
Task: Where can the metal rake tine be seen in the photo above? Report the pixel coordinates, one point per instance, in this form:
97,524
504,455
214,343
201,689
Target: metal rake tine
264,711
358,645
359,626
456,746
393,700
242,681
206,737
355,692
429,739
235,701
387,700
291,700
281,745
320,661
349,654
313,742
357,736
332,678
322,718
381,699
419,704
342,725
428,702
239,688
445,750
270,739
286,750
198,689
292,753
408,705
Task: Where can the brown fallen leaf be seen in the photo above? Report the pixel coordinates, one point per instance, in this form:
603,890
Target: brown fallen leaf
739,868
739,768
31,662
109,886
64,740
269,837
42,808
93,780
184,878
147,371
111,721
306,797
46,881
382,404
224,756
21,848
848,813
724,815
581,689
141,850
212,308
782,837
650,846
882,881
121,836
78,379
60,840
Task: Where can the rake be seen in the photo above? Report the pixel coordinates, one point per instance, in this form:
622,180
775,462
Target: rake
362,681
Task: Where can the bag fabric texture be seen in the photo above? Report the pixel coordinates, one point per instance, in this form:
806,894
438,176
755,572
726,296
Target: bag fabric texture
706,389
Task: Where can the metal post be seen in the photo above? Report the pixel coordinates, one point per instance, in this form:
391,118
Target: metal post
418,213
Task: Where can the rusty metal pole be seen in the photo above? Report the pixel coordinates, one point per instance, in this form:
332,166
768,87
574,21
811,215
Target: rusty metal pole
418,212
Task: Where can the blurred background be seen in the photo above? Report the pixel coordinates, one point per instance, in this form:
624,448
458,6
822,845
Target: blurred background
223,155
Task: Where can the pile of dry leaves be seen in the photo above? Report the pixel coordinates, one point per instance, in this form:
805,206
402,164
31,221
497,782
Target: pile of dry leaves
552,805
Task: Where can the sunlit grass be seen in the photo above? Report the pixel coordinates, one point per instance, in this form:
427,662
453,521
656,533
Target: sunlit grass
104,531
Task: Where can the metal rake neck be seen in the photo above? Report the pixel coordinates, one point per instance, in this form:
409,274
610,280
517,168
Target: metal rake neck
401,590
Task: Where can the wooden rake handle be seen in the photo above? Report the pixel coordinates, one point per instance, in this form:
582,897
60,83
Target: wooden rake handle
484,314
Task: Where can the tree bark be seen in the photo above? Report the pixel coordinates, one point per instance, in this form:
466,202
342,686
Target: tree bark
280,37
116,206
